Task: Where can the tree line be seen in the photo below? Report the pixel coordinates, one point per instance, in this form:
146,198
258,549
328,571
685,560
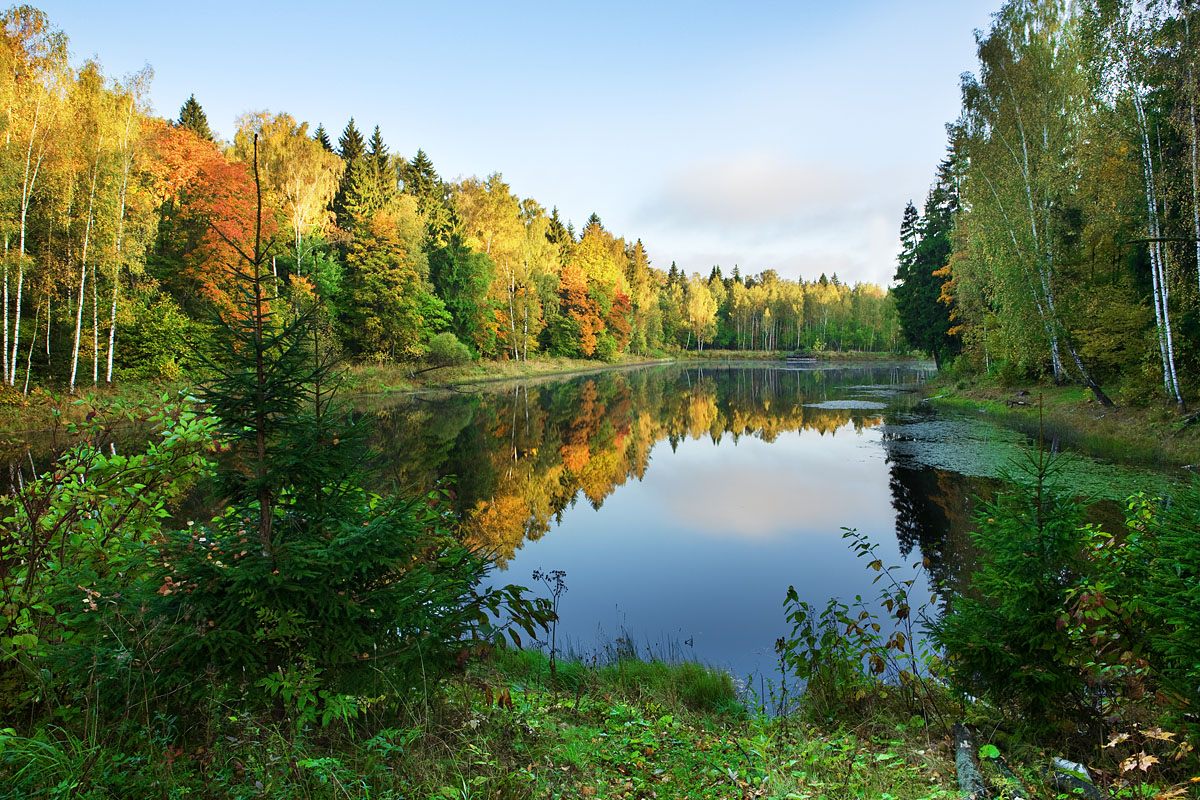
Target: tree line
1062,234
118,229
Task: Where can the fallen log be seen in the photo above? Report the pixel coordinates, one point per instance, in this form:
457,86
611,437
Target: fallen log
970,780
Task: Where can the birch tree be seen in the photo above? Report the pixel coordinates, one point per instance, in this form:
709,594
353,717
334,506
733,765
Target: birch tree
1124,31
1020,126
299,174
37,67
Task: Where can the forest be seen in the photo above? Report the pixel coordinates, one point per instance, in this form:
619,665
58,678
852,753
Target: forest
118,228
264,582
1061,236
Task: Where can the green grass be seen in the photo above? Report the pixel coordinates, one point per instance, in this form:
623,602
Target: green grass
628,729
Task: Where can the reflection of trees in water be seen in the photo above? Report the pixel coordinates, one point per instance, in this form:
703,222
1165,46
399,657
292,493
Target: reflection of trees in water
522,455
934,514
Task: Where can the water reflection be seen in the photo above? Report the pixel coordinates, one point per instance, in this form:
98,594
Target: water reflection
680,501
520,457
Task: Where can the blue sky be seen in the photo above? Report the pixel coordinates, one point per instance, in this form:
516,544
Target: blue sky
770,135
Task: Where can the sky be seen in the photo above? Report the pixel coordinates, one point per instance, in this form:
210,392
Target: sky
767,135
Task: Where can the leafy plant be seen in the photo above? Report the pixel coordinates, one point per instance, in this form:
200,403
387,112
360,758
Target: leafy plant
844,652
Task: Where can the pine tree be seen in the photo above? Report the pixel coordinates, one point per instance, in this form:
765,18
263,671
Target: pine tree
593,221
321,136
192,117
560,235
336,571
419,177
420,180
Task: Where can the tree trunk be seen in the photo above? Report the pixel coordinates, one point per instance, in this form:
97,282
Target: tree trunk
28,181
5,344
126,149
29,357
1187,31
1160,289
87,230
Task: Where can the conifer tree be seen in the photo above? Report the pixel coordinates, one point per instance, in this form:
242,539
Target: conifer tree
192,117
925,250
419,179
321,136
350,144
377,150
352,149
560,235
418,176
593,221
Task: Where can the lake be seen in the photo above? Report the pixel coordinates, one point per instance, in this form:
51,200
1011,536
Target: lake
681,501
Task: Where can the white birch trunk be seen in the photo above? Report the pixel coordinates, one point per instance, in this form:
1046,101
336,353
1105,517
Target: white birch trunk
1158,272
29,357
126,149
87,230
28,181
5,344
1195,144
95,328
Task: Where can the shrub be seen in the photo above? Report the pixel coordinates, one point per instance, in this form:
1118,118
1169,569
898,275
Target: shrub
158,342
1004,637
76,551
445,350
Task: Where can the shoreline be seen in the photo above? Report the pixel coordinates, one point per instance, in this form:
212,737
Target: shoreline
1154,435
41,411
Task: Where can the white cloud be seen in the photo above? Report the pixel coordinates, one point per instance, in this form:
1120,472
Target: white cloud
760,210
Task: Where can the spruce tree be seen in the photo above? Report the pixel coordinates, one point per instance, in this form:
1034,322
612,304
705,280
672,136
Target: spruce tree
192,117
321,136
419,177
420,180
559,234
310,585
377,150
351,146
925,319
593,221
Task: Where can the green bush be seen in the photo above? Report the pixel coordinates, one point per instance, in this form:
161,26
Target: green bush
445,350
77,547
158,343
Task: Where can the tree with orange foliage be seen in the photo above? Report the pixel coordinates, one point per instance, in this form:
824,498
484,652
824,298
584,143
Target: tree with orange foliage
208,203
580,309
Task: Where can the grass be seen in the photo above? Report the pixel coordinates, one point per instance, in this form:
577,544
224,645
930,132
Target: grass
627,729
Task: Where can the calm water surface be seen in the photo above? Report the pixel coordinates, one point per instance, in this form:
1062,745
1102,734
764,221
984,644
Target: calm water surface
682,501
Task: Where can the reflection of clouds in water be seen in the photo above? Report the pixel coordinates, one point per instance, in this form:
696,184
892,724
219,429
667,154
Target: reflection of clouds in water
760,490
